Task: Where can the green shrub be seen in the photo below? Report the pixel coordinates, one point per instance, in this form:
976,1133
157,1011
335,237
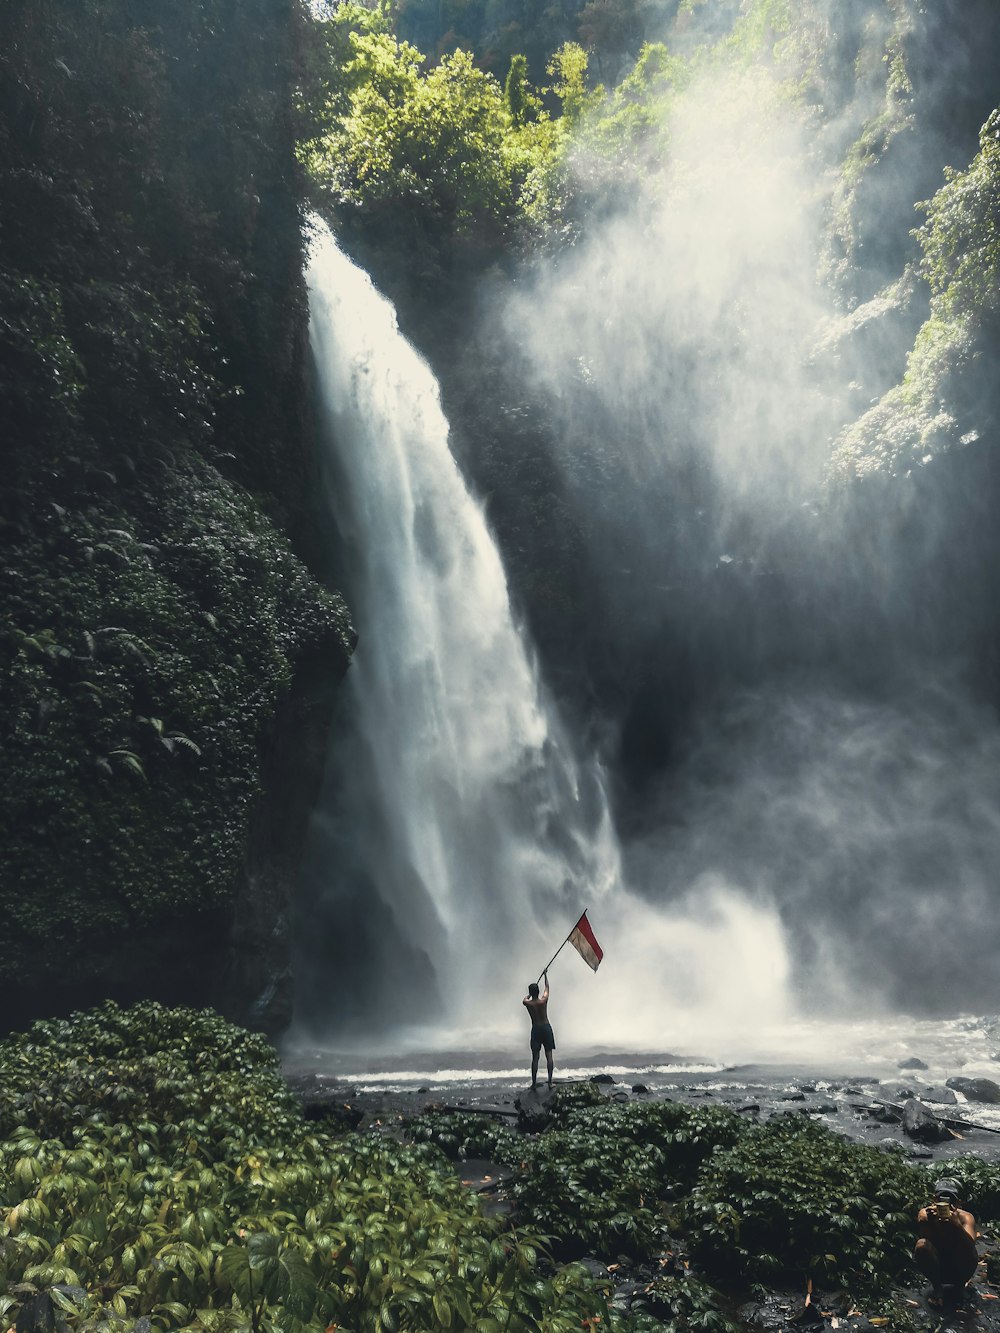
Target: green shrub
683,1304
596,1181
792,1200
978,1184
189,1083
461,1135
160,1171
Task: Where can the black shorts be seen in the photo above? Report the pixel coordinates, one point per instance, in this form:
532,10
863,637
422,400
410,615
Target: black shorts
541,1035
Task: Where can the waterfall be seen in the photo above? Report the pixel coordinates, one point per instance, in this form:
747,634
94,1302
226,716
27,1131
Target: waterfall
457,833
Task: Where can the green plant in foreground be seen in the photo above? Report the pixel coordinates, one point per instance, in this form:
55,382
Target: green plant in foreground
154,1167
683,1304
791,1199
462,1136
597,1181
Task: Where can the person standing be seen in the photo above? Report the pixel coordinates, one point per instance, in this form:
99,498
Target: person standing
946,1246
541,1029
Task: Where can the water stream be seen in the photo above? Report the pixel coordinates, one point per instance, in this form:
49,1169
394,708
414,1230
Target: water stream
457,824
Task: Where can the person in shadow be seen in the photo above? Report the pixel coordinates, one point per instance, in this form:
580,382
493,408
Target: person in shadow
946,1246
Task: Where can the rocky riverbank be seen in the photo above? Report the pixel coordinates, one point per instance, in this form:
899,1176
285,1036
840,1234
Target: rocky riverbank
932,1127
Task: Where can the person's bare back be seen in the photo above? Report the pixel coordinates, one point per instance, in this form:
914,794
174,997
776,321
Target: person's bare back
541,1030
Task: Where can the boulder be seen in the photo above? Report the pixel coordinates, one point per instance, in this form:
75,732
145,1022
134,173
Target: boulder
934,1092
977,1089
886,1115
534,1110
912,1063
601,1078
640,1088
896,1090
920,1123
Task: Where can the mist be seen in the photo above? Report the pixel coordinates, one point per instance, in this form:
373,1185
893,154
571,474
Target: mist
812,826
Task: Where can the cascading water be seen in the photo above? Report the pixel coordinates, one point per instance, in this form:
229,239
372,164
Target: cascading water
458,838
471,830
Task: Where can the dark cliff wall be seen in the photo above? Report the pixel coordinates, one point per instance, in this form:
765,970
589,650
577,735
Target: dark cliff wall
167,660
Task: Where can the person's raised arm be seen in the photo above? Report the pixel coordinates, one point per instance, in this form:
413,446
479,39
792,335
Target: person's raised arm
546,976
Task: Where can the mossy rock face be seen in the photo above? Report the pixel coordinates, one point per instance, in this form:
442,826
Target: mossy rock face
165,649
149,643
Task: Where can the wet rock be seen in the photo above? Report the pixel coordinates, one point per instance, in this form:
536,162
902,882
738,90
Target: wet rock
898,1090
793,1097
936,1092
752,1108
920,1123
639,1088
534,1110
620,1097
912,1063
601,1078
895,1090
977,1089
886,1115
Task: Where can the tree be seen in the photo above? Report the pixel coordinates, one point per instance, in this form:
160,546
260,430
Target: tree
521,101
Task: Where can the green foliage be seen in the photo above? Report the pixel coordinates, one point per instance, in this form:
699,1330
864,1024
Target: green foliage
683,1304
187,1081
200,1200
418,159
596,1182
433,143
568,71
152,326
150,637
961,237
460,1135
791,1200
931,410
521,102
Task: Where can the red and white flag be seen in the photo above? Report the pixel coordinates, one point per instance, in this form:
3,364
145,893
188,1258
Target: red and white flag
584,941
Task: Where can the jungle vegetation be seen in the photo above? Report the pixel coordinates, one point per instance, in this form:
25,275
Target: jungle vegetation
157,1173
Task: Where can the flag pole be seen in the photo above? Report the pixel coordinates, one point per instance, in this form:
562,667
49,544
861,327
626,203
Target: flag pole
561,947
